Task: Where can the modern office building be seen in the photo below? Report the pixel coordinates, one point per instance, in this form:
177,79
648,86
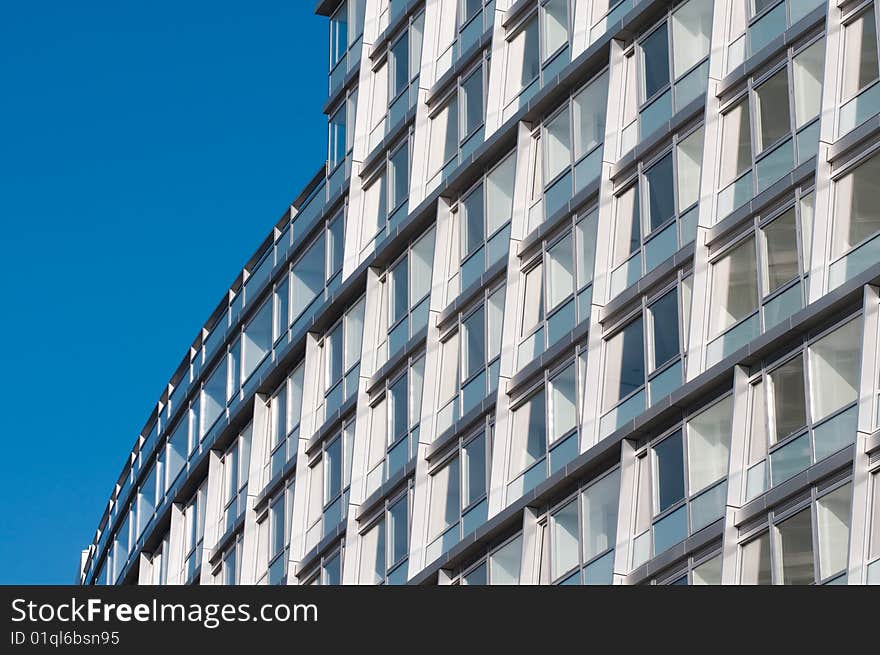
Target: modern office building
587,291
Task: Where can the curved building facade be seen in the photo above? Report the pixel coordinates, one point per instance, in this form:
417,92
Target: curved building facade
586,292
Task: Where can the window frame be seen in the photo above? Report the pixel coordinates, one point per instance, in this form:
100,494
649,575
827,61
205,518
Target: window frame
769,527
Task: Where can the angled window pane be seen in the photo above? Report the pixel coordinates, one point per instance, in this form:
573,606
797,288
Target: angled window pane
771,104
734,287
474,470
529,429
835,362
589,116
736,148
444,499
780,251
691,34
505,563
833,517
787,392
756,568
664,328
560,272
669,470
655,62
600,515
808,69
563,403
857,212
564,536
533,304
557,145
626,233
555,26
624,364
860,54
499,194
585,232
708,435
660,193
472,102
473,345
796,549
689,159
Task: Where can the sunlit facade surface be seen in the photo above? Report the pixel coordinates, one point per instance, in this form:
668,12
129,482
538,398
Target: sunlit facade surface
586,292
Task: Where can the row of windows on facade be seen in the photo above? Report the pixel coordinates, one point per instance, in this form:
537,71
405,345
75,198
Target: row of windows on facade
480,345
805,541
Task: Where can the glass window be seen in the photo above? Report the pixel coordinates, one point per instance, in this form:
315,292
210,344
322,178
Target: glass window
708,444
833,518
796,549
557,144
659,189
600,502
555,32
560,271
563,403
655,61
808,69
472,103
308,277
505,563
669,472
627,236
564,537
399,177
664,329
529,443
756,567
624,363
860,54
474,470
835,361
257,338
788,405
734,287
522,60
691,34
736,146
707,573
780,251
473,344
857,213
689,159
771,107
588,108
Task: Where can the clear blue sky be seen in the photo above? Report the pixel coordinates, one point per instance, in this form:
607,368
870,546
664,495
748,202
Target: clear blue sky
146,148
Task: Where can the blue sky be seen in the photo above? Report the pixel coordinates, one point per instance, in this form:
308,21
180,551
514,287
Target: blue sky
146,148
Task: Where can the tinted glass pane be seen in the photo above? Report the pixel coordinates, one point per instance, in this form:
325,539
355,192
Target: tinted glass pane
787,390
669,462
664,320
780,251
397,531
472,234
398,393
655,60
474,460
771,103
473,354
796,541
756,562
660,192
624,363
